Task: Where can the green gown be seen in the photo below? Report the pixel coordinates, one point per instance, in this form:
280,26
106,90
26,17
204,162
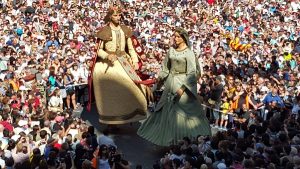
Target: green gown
176,117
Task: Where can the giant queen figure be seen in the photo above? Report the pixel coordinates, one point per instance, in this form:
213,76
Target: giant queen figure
119,99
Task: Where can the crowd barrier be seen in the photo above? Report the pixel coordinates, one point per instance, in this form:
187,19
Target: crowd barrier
74,85
218,110
43,91
261,112
45,94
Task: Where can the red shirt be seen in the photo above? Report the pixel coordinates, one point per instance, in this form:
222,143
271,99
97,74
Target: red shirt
58,146
210,2
37,102
245,20
7,125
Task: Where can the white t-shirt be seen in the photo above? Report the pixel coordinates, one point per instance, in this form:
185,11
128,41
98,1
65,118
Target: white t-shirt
80,38
2,163
84,72
295,6
46,73
73,132
76,74
28,49
29,2
151,25
75,27
3,65
55,101
51,2
41,144
54,19
16,12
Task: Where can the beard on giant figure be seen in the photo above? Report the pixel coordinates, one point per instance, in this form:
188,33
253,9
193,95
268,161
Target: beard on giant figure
114,78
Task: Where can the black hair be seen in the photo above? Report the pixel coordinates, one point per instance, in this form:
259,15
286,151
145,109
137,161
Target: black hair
91,129
105,132
9,162
103,148
177,162
5,133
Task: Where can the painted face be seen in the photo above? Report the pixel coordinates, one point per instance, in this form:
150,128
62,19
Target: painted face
115,18
178,39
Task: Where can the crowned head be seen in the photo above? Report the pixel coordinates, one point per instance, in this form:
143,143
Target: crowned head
113,14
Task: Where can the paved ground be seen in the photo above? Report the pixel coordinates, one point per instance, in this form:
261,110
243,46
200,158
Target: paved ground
135,149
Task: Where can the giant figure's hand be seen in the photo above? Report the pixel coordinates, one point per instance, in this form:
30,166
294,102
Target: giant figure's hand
179,92
136,66
112,58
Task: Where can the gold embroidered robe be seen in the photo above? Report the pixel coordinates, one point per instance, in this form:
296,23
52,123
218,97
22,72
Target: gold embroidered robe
119,100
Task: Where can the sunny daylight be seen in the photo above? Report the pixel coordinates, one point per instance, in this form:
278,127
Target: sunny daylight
150,84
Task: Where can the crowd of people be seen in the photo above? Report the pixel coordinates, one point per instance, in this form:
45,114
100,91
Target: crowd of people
249,56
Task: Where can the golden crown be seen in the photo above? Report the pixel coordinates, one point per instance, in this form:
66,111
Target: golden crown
115,10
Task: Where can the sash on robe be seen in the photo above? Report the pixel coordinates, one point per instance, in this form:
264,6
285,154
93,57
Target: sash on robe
126,66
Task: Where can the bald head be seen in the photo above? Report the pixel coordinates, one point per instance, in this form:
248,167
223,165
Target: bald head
46,123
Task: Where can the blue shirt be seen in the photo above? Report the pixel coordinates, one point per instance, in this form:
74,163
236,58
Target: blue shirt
270,98
241,28
104,164
229,28
50,42
272,9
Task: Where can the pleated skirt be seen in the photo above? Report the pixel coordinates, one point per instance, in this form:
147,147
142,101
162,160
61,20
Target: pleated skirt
178,118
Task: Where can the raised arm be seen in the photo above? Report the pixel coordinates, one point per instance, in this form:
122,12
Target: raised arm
163,74
100,51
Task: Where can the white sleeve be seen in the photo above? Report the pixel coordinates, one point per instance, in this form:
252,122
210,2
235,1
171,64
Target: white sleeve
50,103
60,101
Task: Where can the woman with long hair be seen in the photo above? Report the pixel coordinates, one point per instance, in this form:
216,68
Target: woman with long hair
178,113
102,158
68,82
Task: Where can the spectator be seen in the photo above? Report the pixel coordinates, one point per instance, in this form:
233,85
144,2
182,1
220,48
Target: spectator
273,97
69,81
102,158
6,122
55,102
255,46
105,139
215,98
